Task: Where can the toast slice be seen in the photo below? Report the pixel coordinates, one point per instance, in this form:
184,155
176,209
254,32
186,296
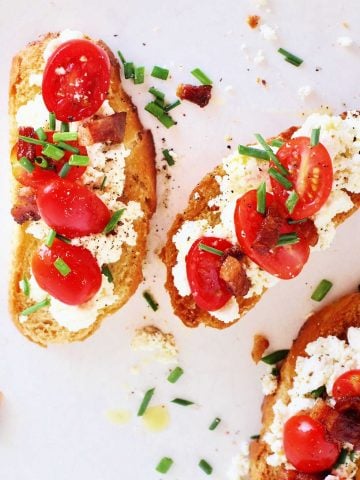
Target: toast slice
333,320
140,186
199,209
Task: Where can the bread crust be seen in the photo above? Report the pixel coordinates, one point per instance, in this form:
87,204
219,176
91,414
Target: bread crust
334,319
140,186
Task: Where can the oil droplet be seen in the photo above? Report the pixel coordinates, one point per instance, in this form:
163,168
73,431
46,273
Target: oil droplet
118,417
157,418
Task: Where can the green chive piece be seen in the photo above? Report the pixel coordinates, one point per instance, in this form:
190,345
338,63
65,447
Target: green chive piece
275,357
291,201
129,70
164,465
50,238
271,154
114,220
121,56
139,75
205,467
64,127
105,270
53,152
52,121
41,162
315,136
168,157
261,198
207,248
277,142
40,132
321,290
182,402
79,160
290,57
34,141
159,72
318,392
275,371
172,105
37,306
62,267
280,178
62,238
67,147
65,136
65,169
215,423
145,403
161,103
102,186
255,437
201,76
25,286
159,113
253,152
26,164
288,239
157,93
175,374
342,458
150,300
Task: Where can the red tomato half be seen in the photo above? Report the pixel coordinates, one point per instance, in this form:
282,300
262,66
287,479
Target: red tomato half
306,446
347,385
284,262
71,209
80,285
311,173
208,289
76,80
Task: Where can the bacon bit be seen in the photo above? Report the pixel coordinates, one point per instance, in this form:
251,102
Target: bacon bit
308,231
25,209
269,232
234,275
199,94
253,21
261,81
260,344
110,129
25,149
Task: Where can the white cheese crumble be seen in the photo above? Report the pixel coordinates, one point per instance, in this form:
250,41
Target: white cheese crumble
35,79
347,470
152,339
240,464
268,32
64,36
345,41
269,382
33,113
304,92
259,57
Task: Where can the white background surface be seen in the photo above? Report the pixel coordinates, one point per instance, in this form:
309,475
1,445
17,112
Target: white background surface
52,422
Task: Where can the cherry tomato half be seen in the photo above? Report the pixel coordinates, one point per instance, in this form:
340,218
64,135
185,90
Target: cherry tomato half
311,173
208,289
285,261
71,209
76,80
306,446
347,385
78,286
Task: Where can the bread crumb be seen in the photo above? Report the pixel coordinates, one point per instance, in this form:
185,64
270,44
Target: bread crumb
253,21
304,92
260,344
152,339
268,32
345,41
261,81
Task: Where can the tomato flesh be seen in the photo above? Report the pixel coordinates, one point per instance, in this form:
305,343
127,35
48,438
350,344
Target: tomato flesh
76,80
71,209
284,261
306,446
347,385
80,285
310,172
208,289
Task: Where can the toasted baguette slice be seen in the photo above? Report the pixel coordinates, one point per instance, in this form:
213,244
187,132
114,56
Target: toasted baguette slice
334,319
140,186
198,208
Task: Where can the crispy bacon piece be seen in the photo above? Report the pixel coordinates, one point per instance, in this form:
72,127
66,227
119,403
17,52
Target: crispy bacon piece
109,129
253,21
25,209
25,149
269,232
260,344
199,94
234,275
308,231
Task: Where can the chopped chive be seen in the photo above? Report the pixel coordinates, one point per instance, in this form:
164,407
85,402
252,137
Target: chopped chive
214,424
159,113
159,72
121,56
53,152
255,437
113,221
105,270
318,392
294,222
275,357
102,186
168,157
291,201
62,238
315,136
275,372
182,402
40,132
65,169
280,178
150,300
160,102
172,105
37,306
205,467
271,154
41,162
175,374
288,239
145,402
321,290
64,127
65,136
67,147
157,93
342,458
164,465
26,164
139,75
129,70
261,198
34,141
52,121
50,238
207,248
277,142
79,160
290,57
253,152
201,76
25,286
62,267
